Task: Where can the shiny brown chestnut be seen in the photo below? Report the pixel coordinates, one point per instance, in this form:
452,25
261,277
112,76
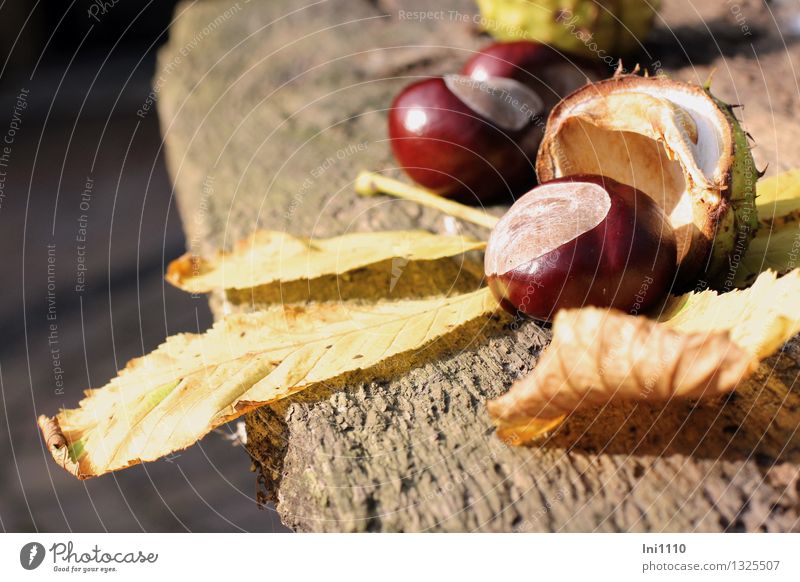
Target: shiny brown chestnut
581,240
465,138
547,72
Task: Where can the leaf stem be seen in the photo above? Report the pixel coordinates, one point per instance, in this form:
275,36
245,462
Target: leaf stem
370,183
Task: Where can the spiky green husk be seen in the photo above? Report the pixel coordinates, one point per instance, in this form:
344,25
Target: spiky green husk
724,219
738,226
590,28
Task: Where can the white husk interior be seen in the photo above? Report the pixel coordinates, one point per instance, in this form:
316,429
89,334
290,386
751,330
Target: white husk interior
667,126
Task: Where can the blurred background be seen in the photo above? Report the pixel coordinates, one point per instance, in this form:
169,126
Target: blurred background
87,224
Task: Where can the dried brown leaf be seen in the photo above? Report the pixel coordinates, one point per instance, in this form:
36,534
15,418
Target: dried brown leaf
598,356
703,344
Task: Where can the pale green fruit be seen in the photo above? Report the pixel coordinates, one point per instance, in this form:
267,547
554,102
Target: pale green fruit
676,143
605,29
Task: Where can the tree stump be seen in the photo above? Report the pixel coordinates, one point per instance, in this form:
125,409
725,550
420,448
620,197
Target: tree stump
268,111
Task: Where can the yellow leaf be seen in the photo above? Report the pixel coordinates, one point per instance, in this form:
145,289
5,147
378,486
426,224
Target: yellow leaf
703,344
271,256
778,198
760,318
776,245
776,249
170,398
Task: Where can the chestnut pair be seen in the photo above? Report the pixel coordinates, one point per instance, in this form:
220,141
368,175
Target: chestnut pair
582,240
474,136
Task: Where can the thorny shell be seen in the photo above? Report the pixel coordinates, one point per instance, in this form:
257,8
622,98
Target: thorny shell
678,144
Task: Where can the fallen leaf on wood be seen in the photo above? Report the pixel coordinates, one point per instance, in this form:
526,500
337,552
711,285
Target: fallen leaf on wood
170,398
270,256
759,319
598,355
778,198
776,245
777,249
704,344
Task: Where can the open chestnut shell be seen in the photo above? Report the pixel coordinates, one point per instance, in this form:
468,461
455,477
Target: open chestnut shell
581,240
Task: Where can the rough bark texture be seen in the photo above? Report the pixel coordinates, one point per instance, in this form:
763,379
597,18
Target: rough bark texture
268,115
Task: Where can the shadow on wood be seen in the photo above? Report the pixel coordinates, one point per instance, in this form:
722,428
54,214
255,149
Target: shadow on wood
392,280
758,421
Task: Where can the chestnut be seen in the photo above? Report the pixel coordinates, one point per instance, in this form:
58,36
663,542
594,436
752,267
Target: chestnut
465,138
581,240
550,74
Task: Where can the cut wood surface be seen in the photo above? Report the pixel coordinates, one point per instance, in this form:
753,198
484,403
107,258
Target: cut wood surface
270,109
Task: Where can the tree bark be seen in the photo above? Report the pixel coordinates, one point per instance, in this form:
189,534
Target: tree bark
268,112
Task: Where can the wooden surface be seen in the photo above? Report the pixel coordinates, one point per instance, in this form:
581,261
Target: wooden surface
268,117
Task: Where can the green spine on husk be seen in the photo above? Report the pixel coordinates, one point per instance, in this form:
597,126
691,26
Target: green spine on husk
741,218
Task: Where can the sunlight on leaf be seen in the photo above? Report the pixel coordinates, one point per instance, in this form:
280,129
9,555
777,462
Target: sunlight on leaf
776,245
270,256
170,398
